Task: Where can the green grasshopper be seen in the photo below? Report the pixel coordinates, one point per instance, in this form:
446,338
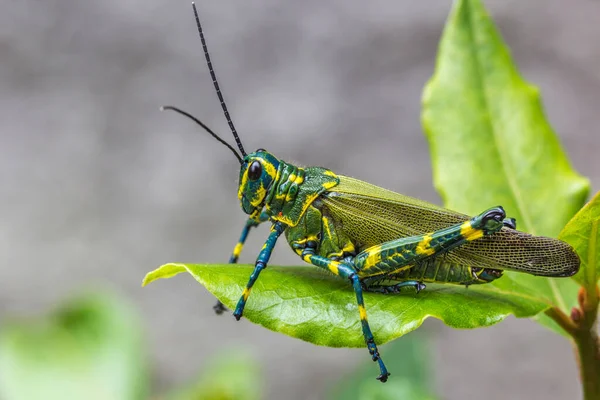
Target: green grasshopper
369,235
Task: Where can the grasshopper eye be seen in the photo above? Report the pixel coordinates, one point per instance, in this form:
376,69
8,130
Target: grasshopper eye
255,171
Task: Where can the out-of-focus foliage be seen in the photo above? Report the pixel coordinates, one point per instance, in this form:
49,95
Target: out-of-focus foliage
89,348
412,378
92,347
232,375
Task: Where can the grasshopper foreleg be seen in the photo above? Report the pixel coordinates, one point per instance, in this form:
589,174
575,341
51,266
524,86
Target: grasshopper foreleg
261,263
219,307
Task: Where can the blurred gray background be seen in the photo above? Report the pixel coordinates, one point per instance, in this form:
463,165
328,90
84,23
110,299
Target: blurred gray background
99,187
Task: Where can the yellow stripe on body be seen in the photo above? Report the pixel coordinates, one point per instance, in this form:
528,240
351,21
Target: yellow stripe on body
292,180
424,247
470,233
326,225
349,248
403,268
373,257
364,274
269,168
243,183
259,196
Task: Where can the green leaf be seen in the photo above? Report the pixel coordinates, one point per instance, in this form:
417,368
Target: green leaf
491,143
583,233
232,375
408,358
90,348
308,304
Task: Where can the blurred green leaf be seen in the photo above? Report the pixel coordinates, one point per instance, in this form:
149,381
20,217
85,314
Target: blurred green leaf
408,358
583,233
491,143
232,375
90,348
305,303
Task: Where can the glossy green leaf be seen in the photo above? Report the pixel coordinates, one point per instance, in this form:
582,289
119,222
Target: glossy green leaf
409,358
583,233
491,143
311,305
90,348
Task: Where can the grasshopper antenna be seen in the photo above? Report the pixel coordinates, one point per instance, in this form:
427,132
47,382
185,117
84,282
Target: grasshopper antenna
206,128
214,79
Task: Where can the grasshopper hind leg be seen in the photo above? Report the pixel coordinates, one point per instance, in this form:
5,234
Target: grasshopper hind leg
345,270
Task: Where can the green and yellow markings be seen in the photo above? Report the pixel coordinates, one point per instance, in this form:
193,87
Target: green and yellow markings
373,257
424,246
326,224
470,233
332,266
259,195
268,167
243,183
349,248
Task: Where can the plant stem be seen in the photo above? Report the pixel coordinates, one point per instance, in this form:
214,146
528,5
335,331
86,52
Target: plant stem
582,328
586,339
589,365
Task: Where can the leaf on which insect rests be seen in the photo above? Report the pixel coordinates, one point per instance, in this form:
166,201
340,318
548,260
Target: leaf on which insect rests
311,305
491,144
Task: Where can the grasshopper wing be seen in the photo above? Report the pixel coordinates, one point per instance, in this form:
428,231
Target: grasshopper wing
371,215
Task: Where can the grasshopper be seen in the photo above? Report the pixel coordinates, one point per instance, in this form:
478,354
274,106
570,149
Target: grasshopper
368,235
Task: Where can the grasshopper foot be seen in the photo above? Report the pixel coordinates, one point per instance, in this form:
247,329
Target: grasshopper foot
383,377
510,223
219,308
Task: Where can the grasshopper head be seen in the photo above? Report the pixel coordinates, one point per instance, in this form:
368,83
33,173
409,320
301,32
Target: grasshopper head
257,173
